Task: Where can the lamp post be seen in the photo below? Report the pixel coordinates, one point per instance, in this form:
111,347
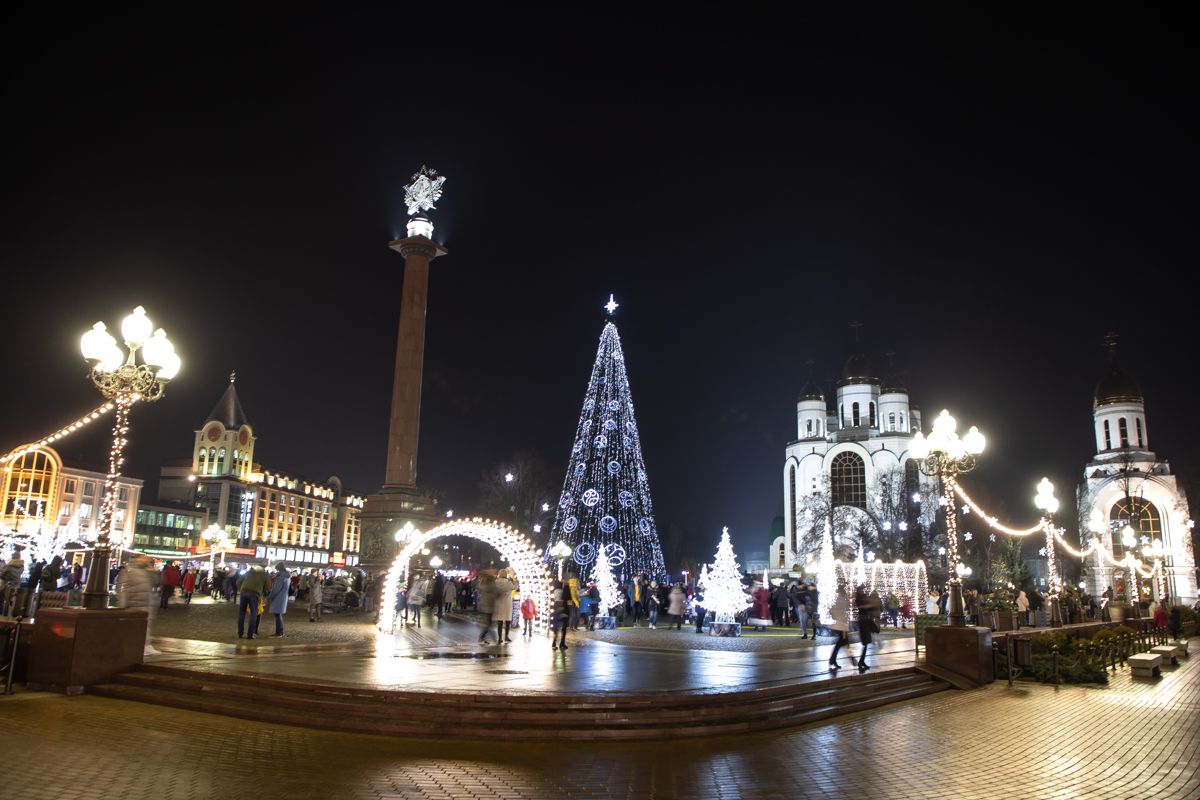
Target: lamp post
944,455
125,382
1155,551
217,540
1046,501
562,551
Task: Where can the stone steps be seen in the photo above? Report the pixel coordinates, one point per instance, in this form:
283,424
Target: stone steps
515,716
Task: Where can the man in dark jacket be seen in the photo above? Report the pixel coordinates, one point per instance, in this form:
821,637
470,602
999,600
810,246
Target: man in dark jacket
254,586
810,599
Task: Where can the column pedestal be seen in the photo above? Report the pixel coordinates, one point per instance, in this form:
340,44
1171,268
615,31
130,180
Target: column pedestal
965,651
74,647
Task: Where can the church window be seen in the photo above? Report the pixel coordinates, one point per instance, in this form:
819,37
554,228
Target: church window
1138,422
809,429
854,413
848,480
901,420
220,462
842,415
782,556
1123,427
1107,437
892,421
912,478
1139,514
203,460
871,407
792,501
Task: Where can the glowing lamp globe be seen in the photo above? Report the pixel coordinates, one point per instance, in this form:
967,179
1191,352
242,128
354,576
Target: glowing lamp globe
955,448
974,441
96,343
919,448
171,368
945,423
158,349
1127,537
1045,499
136,328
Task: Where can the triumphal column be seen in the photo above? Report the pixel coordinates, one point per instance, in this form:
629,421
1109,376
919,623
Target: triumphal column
399,502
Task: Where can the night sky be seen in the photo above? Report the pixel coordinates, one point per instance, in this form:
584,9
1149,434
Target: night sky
988,194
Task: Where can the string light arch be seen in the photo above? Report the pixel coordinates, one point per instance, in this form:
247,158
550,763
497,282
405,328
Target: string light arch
515,547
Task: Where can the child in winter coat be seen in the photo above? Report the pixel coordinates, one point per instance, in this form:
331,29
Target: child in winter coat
528,612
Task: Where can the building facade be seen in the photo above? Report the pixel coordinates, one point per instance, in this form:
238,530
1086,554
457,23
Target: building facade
1127,485
270,514
847,456
44,493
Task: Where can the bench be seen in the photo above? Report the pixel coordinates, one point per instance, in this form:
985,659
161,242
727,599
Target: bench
1145,665
1168,653
1180,645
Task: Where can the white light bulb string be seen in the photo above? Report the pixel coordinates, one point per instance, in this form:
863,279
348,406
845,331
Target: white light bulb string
59,434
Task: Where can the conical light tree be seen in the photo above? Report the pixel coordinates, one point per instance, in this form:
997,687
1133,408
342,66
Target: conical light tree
723,593
826,577
606,585
605,509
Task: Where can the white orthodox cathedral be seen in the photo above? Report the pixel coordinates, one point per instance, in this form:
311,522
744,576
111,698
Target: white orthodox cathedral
846,450
1126,485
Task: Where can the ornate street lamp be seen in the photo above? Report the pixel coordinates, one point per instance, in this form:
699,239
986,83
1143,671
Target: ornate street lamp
125,382
217,540
1046,501
562,551
943,455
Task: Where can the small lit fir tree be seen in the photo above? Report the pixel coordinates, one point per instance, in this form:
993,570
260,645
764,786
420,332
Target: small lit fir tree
604,509
602,574
723,591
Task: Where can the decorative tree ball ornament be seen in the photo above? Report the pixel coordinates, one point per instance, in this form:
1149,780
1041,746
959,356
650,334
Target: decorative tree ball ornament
625,499
580,468
608,524
589,404
566,500
627,443
631,426
614,554
587,423
591,497
576,448
610,425
614,467
601,442
584,553
570,524
613,405
644,526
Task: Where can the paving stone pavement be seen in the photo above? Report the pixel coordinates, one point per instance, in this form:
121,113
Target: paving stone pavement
1132,739
217,622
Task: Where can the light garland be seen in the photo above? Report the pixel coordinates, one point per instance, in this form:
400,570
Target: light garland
533,575
992,520
826,576
905,581
54,437
605,509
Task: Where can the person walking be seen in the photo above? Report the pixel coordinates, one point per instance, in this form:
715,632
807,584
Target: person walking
416,596
254,586
760,612
800,603
189,585
171,576
502,605
316,596
1035,607
783,604
449,591
77,577
868,607
559,598
134,592
10,580
840,612
1023,607
811,603
653,604
528,612
485,588
677,606
439,586
277,597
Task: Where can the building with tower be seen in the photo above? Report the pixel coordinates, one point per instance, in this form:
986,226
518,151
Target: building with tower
1127,485
270,513
845,451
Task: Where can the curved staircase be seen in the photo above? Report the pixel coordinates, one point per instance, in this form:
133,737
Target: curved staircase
507,716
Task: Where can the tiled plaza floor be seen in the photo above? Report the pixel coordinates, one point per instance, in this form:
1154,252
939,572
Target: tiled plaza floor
1129,740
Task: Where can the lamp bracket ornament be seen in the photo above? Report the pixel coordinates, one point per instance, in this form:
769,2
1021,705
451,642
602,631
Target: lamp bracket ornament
424,191
129,379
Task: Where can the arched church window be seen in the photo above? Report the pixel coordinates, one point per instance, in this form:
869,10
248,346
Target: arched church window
809,433
1138,422
842,414
871,407
792,502
1139,514
220,462
901,420
892,421
848,480
1123,427
854,414
1107,437
203,461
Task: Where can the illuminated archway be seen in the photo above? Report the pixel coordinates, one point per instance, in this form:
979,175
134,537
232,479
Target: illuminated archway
515,547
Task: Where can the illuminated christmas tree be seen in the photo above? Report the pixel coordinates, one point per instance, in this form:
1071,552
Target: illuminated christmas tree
604,510
610,598
723,593
826,577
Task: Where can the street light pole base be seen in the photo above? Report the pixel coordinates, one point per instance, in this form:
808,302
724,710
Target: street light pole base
956,618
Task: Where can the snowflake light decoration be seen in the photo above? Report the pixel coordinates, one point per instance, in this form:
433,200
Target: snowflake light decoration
967,536
992,536
424,191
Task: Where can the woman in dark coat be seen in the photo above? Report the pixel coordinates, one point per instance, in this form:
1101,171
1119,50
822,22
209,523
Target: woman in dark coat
50,574
868,607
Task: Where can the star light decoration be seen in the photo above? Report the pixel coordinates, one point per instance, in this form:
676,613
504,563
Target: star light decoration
967,536
992,536
611,306
424,191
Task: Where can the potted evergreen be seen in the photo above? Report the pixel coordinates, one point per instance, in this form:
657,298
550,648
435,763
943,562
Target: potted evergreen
1001,612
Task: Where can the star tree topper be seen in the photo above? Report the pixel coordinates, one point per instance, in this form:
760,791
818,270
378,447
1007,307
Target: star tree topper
424,191
611,305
